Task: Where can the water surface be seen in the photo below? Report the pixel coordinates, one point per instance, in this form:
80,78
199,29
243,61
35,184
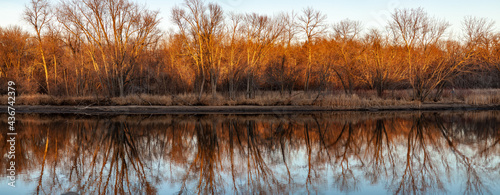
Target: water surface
343,153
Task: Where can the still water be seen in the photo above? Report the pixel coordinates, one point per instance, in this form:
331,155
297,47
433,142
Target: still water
327,153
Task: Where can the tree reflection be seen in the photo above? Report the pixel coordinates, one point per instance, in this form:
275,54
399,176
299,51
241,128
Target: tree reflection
207,163
347,149
421,173
473,182
408,154
100,159
43,164
381,161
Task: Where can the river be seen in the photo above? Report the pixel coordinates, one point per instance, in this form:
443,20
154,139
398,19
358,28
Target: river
319,153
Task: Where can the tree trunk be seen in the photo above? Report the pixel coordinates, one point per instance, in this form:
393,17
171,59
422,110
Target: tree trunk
121,87
306,87
248,85
213,82
351,85
45,68
65,75
55,71
231,87
380,90
202,85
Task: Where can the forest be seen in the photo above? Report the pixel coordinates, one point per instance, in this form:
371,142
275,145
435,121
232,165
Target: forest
115,48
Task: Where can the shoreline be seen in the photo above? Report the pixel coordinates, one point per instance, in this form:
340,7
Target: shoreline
131,110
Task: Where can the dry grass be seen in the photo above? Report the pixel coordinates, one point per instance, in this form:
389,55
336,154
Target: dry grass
362,99
354,101
483,97
142,99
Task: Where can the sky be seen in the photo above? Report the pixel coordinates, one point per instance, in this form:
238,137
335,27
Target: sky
372,13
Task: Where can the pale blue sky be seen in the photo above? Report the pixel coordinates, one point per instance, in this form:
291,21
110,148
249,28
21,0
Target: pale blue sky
370,12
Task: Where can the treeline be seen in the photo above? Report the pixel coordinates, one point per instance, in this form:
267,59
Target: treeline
114,48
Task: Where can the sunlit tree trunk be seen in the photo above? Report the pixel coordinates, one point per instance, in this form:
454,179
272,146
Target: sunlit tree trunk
38,15
312,25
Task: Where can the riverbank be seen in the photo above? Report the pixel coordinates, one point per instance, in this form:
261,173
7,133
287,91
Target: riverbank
263,102
97,110
361,98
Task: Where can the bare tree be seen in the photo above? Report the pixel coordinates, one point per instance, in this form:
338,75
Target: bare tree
37,14
234,38
116,33
418,34
202,27
496,52
312,25
478,31
14,50
346,33
261,32
347,29
289,72
381,62
479,41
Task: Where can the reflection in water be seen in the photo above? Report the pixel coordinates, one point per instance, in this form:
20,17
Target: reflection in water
401,153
